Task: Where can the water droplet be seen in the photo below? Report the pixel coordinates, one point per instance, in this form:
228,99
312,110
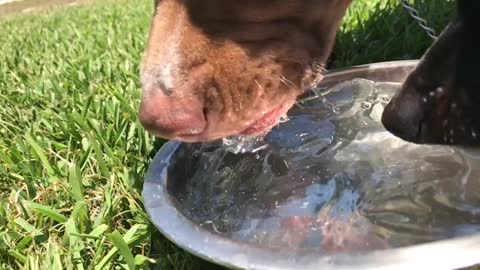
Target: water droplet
303,134
377,111
439,90
365,105
243,144
283,119
371,99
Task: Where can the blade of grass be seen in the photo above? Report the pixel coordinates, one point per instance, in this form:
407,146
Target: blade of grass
29,228
99,156
76,182
47,211
137,232
40,154
122,247
22,258
77,248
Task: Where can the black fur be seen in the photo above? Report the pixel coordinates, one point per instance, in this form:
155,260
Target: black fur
439,103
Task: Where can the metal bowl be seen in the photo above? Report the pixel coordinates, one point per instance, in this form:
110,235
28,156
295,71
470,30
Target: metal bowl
187,225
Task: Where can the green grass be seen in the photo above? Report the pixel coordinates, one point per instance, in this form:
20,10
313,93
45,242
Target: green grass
72,152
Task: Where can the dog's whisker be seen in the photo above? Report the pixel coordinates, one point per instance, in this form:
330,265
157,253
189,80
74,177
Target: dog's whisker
259,86
297,103
287,81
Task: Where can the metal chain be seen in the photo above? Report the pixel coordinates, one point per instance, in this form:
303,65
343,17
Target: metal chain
421,21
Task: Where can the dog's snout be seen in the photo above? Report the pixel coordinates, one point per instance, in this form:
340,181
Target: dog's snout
166,114
214,69
403,118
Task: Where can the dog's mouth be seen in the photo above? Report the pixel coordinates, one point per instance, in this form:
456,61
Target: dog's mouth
267,121
258,127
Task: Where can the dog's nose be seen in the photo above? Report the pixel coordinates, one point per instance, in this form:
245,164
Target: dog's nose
170,116
403,118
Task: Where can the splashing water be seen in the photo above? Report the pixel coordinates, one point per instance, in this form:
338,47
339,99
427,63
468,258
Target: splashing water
331,178
244,144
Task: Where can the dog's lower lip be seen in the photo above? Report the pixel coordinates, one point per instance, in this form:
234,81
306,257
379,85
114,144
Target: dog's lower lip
266,121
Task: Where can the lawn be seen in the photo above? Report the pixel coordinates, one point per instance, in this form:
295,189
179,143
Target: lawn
72,152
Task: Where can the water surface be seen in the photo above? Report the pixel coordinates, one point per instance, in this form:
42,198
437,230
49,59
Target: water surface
331,178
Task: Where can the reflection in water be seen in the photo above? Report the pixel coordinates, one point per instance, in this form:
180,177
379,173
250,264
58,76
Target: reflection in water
330,179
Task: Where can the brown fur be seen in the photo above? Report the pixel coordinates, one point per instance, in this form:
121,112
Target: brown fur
212,67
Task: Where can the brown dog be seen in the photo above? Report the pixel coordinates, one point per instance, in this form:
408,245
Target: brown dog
216,68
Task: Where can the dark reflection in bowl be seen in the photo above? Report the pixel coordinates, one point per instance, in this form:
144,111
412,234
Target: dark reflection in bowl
330,179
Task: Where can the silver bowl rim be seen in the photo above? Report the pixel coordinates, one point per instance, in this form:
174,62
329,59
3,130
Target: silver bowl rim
453,253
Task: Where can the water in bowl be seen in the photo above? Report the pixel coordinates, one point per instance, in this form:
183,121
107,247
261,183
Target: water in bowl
330,179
